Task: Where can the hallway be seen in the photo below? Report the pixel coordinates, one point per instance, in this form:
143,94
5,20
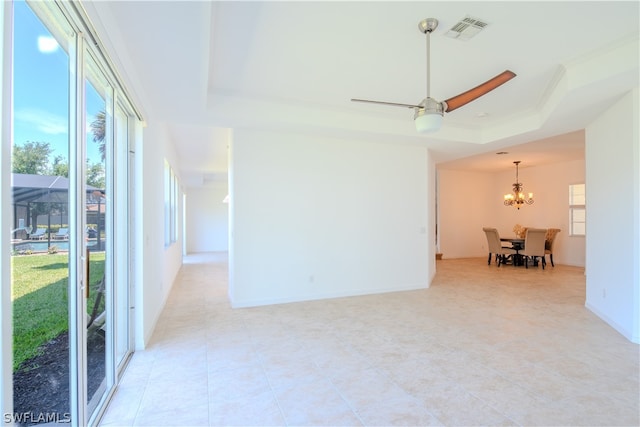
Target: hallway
482,346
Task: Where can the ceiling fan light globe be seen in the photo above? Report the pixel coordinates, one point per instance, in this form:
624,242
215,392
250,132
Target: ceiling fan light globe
428,121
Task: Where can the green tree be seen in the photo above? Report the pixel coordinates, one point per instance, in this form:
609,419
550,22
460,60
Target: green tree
31,158
60,167
95,175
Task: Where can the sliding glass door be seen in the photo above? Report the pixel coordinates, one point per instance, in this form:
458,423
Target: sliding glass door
122,249
97,225
71,268
40,257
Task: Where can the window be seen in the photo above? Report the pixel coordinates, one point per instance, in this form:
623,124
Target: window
171,187
174,208
577,210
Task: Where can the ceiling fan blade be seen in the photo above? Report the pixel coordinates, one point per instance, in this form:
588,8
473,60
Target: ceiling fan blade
393,104
475,93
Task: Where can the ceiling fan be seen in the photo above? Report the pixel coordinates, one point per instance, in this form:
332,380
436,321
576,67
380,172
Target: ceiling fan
428,114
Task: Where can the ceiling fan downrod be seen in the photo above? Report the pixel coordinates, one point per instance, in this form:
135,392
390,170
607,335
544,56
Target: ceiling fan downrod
428,115
427,26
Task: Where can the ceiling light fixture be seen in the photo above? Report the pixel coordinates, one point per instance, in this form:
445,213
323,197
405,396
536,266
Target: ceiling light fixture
517,199
429,118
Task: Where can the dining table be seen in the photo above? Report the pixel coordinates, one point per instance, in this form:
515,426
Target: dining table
517,244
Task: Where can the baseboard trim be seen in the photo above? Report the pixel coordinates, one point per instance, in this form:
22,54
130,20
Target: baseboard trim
302,298
621,330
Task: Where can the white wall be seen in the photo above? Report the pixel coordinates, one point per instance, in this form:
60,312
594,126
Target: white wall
613,216
152,293
207,219
463,211
472,200
314,218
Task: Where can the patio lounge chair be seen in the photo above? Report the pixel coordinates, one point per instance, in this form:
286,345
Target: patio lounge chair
39,234
62,234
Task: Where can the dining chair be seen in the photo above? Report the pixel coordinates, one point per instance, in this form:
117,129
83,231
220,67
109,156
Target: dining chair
534,246
548,244
495,246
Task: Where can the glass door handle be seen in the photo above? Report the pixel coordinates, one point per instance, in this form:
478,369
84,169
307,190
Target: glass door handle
87,280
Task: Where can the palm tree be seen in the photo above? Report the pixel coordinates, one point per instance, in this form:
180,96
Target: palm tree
98,129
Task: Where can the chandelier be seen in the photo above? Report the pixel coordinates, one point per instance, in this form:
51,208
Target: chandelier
517,199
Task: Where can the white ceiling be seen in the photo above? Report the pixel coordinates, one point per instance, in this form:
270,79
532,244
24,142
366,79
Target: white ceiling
206,67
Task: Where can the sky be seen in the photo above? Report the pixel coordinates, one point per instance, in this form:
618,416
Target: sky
41,88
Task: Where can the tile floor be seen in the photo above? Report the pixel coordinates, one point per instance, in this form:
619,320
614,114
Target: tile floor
482,346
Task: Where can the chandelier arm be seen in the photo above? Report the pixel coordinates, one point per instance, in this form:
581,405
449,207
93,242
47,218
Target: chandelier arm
518,198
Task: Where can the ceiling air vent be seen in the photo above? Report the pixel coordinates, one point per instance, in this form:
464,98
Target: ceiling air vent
466,28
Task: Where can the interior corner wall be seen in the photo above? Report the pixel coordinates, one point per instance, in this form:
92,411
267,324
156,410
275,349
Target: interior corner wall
463,211
432,207
207,219
314,217
152,293
613,257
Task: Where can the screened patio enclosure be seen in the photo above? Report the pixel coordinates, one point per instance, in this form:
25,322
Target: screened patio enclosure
44,199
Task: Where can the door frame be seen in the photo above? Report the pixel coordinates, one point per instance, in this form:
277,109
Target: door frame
6,214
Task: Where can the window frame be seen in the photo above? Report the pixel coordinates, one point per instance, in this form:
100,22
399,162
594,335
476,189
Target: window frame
171,193
577,203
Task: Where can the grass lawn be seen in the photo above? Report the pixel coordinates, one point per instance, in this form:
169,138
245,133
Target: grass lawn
40,299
